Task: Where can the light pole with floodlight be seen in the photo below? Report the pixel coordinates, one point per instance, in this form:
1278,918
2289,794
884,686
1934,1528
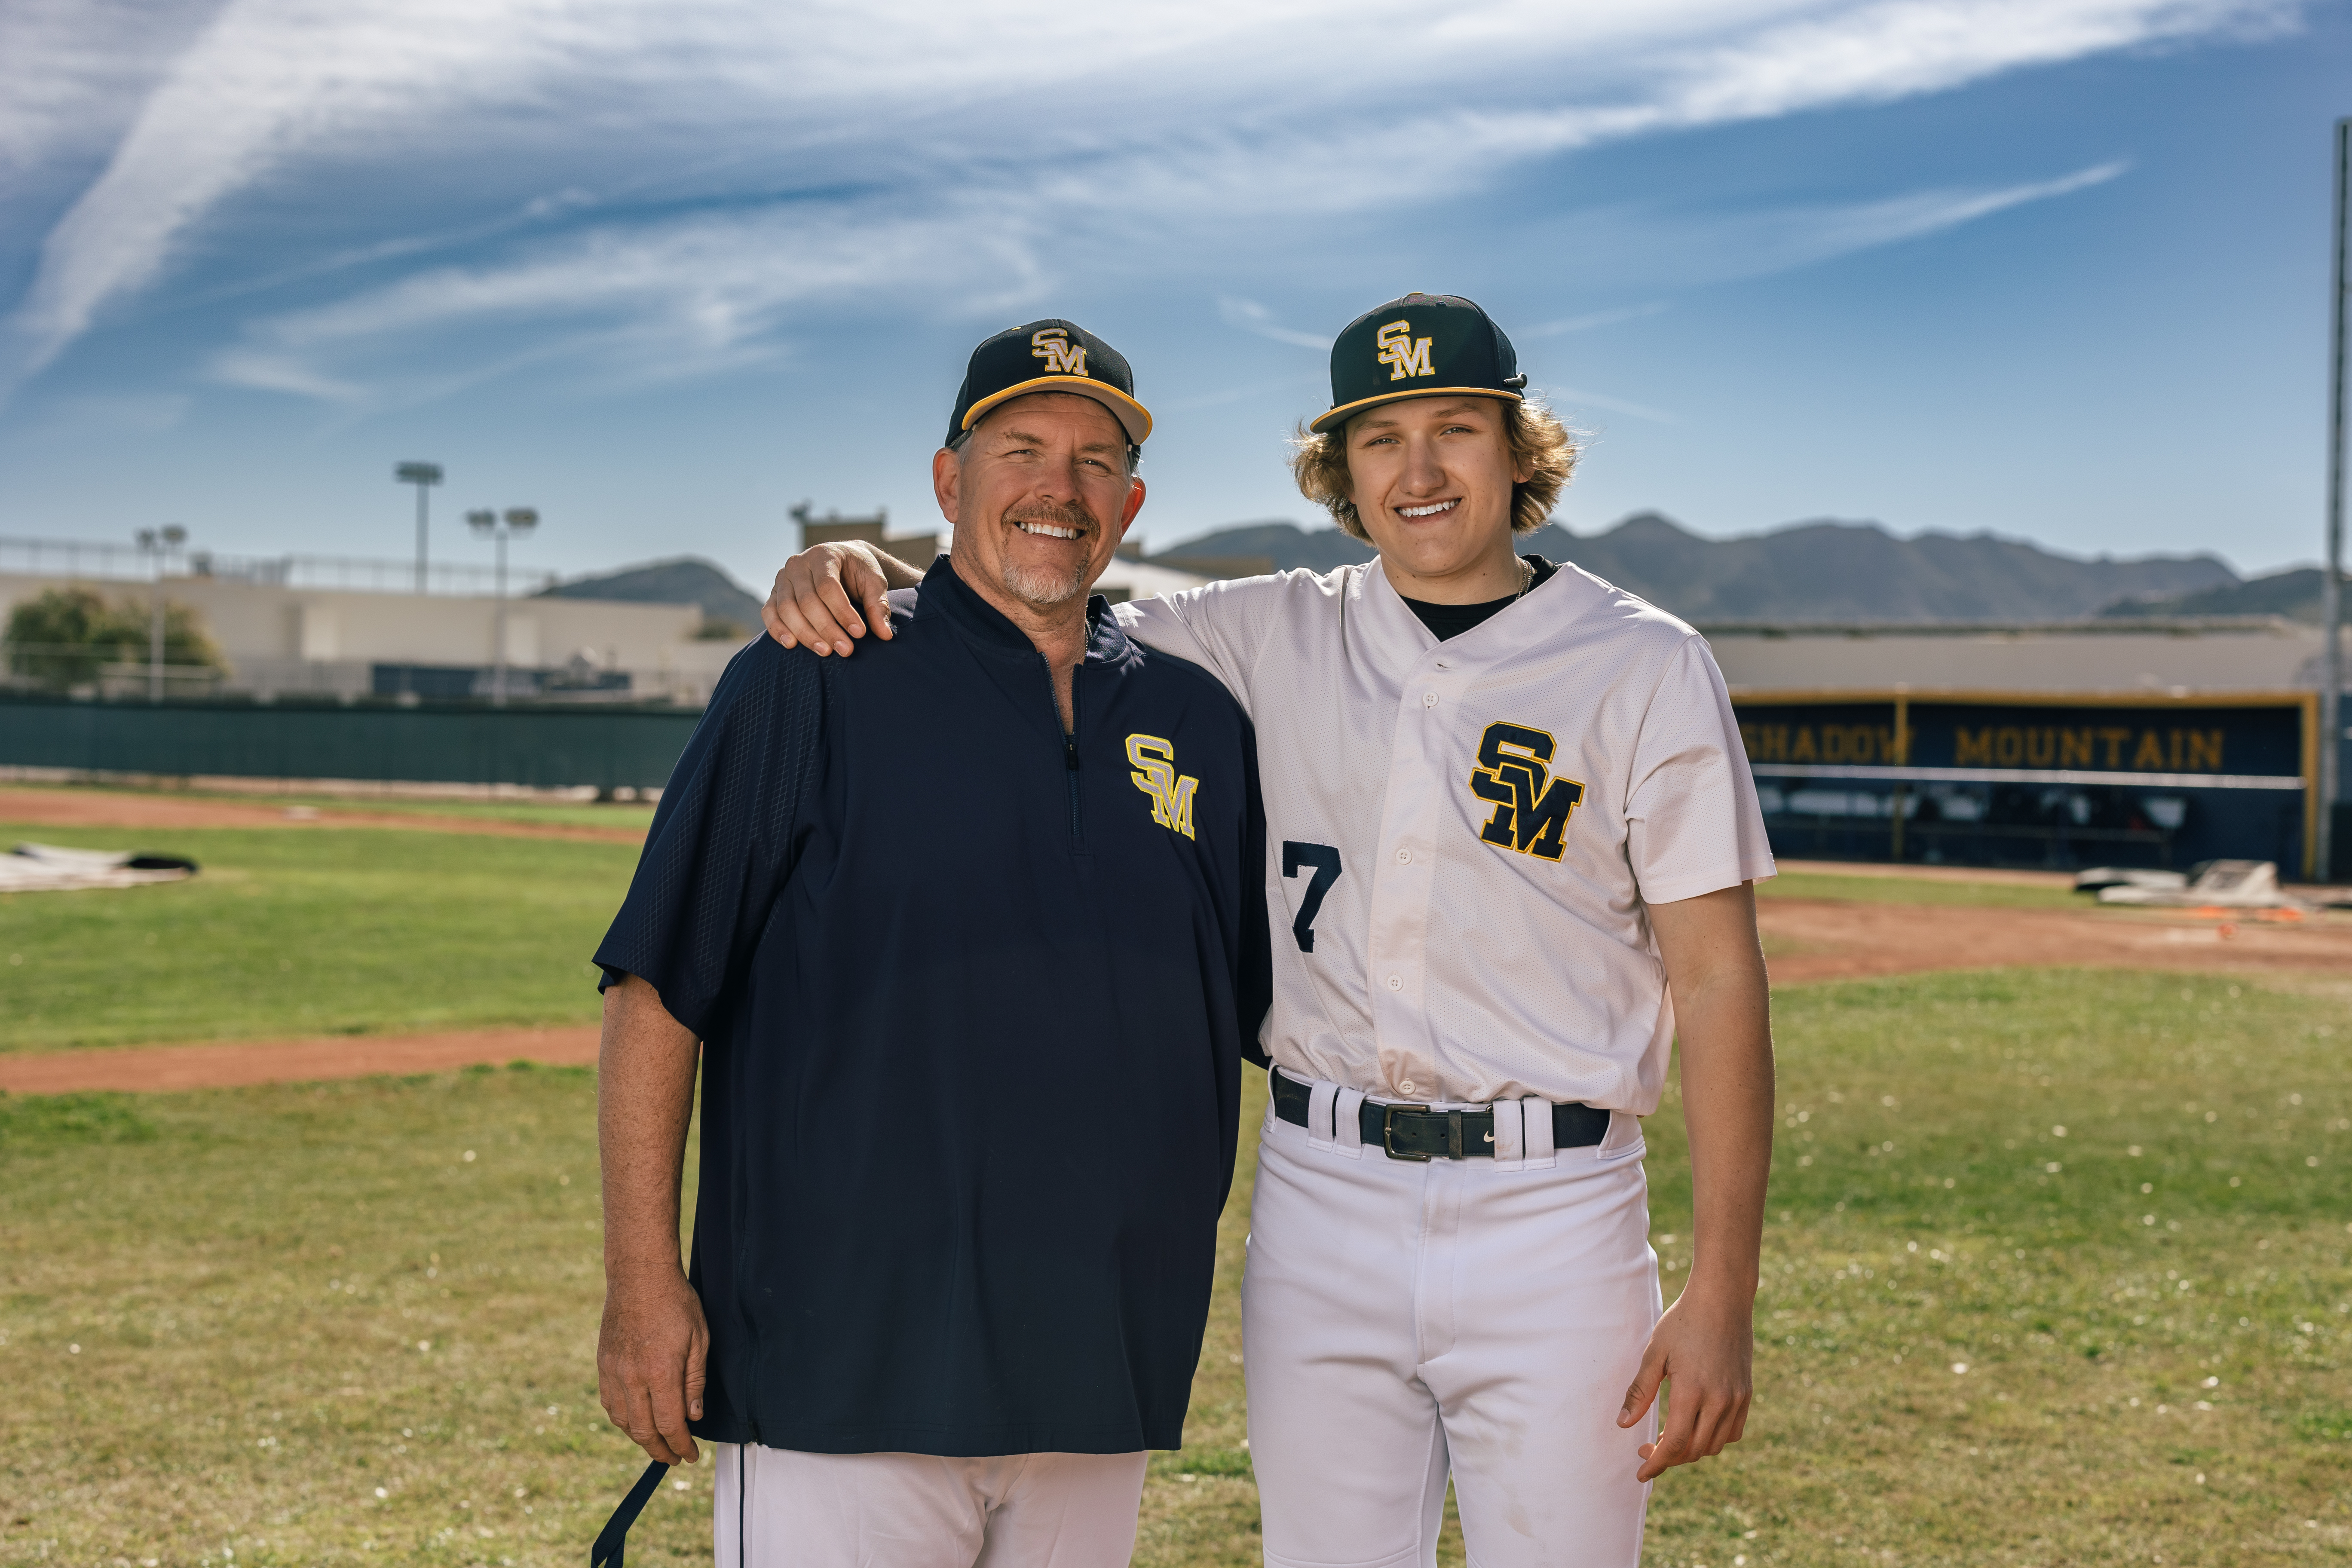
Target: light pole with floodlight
424,476
488,524
157,543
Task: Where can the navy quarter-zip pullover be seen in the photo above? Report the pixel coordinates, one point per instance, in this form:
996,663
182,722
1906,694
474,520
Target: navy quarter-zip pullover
972,1026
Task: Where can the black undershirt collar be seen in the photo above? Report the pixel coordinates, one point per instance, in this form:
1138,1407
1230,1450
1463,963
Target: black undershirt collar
1449,621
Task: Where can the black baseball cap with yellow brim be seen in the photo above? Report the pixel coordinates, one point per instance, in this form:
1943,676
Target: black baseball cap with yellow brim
1424,346
1051,355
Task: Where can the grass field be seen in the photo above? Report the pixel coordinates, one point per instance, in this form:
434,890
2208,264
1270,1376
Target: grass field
374,930
229,1318
1921,891
301,933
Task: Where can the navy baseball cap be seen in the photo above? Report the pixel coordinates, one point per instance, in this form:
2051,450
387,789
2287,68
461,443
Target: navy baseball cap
1051,355
1424,346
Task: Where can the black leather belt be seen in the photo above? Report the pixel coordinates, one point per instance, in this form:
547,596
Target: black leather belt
1417,1133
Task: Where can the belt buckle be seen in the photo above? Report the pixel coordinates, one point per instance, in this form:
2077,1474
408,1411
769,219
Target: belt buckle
1388,1133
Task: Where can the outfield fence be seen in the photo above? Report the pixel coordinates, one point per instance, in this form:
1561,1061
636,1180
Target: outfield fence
543,747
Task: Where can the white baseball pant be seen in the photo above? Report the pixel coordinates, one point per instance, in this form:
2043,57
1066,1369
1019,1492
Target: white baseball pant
1401,1319
779,1507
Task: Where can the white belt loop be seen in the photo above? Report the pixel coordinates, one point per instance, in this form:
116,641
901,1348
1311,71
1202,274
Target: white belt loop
1319,1112
1624,1132
1348,1124
1536,1121
1510,1138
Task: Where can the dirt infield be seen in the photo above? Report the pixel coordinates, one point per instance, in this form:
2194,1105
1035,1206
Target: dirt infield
1826,938
162,813
1810,940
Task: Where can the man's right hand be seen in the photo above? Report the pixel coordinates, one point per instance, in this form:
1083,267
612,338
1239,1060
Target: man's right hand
816,600
651,1356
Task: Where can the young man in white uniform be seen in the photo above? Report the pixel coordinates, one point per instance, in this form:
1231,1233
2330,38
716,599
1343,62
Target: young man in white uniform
1512,833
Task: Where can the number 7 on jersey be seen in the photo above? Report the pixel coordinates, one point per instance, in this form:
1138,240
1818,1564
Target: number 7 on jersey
1326,861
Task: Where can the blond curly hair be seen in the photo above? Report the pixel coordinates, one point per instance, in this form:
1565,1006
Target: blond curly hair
1533,433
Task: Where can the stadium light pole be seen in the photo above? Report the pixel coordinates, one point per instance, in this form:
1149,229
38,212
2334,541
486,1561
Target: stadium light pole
424,476
2331,576
155,544
488,524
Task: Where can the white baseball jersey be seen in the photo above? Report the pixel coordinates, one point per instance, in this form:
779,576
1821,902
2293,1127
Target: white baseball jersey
1462,836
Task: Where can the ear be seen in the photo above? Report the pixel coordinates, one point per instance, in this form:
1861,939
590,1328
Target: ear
1134,504
1523,467
947,482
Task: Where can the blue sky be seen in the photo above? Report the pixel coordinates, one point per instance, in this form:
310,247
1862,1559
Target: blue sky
2057,268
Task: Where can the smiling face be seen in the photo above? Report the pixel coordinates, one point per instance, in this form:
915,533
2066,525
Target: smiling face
1430,478
1040,497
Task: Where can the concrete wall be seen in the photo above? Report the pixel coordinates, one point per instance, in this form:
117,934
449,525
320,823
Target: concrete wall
279,638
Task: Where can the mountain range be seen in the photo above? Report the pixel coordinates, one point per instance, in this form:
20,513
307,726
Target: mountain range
2292,594
1824,572
1807,573
679,580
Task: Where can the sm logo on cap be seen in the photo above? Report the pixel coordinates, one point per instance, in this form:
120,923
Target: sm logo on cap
1403,353
1052,345
1531,806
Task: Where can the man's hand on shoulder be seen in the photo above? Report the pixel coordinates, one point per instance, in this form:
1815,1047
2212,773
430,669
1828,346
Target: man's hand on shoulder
827,596
651,1356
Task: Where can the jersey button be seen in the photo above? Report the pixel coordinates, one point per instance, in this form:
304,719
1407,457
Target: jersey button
1404,857
1396,982
1428,699
1404,1085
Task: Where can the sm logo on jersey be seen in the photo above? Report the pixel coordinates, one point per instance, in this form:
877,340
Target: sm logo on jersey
1531,808
1403,353
1155,775
1052,345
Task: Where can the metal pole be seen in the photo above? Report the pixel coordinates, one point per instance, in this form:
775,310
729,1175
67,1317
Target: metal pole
2331,593
155,634
498,690
424,476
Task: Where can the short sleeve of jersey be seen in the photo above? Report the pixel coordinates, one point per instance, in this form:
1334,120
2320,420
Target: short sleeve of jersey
1155,624
1223,626
716,854
1693,822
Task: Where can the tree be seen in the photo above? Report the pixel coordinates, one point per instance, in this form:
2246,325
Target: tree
61,637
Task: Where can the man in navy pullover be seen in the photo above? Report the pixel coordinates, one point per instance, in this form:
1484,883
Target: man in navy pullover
971,939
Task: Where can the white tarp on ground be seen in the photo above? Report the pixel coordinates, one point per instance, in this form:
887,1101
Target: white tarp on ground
2220,884
47,869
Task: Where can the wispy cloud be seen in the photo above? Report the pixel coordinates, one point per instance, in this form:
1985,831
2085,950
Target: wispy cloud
1814,235
1569,399
659,158
1251,317
1590,320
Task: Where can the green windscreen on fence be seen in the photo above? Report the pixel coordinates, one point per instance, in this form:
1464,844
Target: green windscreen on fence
544,747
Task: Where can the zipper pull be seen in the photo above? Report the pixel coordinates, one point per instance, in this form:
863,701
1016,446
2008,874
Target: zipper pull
1070,752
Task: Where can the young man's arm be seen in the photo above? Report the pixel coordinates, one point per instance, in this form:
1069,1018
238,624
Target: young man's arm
1705,1345
652,1350
829,593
